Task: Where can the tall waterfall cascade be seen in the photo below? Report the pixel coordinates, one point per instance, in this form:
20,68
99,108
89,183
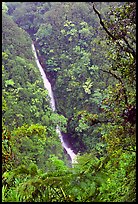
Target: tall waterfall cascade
47,86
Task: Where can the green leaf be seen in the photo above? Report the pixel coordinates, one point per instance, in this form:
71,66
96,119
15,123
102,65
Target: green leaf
9,82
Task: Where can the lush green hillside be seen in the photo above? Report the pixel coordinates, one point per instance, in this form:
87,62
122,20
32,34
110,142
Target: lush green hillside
25,101
89,54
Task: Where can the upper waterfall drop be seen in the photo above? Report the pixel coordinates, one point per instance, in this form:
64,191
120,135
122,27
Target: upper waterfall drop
47,86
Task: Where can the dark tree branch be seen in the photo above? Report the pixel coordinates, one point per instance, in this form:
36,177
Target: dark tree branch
132,50
98,121
128,48
113,74
102,23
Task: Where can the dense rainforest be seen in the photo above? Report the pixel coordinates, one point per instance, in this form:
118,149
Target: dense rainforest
88,52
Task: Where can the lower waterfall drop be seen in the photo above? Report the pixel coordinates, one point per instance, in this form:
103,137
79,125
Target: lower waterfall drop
47,86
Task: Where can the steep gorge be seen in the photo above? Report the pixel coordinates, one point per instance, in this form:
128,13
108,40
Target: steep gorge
47,86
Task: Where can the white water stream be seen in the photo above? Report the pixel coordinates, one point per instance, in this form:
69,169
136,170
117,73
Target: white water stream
47,86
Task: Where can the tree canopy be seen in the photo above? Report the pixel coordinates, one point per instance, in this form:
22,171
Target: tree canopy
88,52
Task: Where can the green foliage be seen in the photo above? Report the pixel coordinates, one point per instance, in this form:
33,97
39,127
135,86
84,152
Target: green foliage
119,187
26,15
4,7
24,95
90,180
56,165
29,142
20,45
93,78
32,144
44,31
7,156
9,82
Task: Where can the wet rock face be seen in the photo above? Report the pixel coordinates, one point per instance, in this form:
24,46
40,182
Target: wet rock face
66,138
51,75
72,141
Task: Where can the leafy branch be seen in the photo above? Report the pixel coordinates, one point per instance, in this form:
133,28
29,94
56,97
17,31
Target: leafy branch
128,48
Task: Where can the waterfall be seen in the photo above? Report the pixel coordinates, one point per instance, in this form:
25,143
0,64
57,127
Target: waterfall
47,86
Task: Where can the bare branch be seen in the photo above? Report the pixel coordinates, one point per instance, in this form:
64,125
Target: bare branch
102,23
113,74
128,48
